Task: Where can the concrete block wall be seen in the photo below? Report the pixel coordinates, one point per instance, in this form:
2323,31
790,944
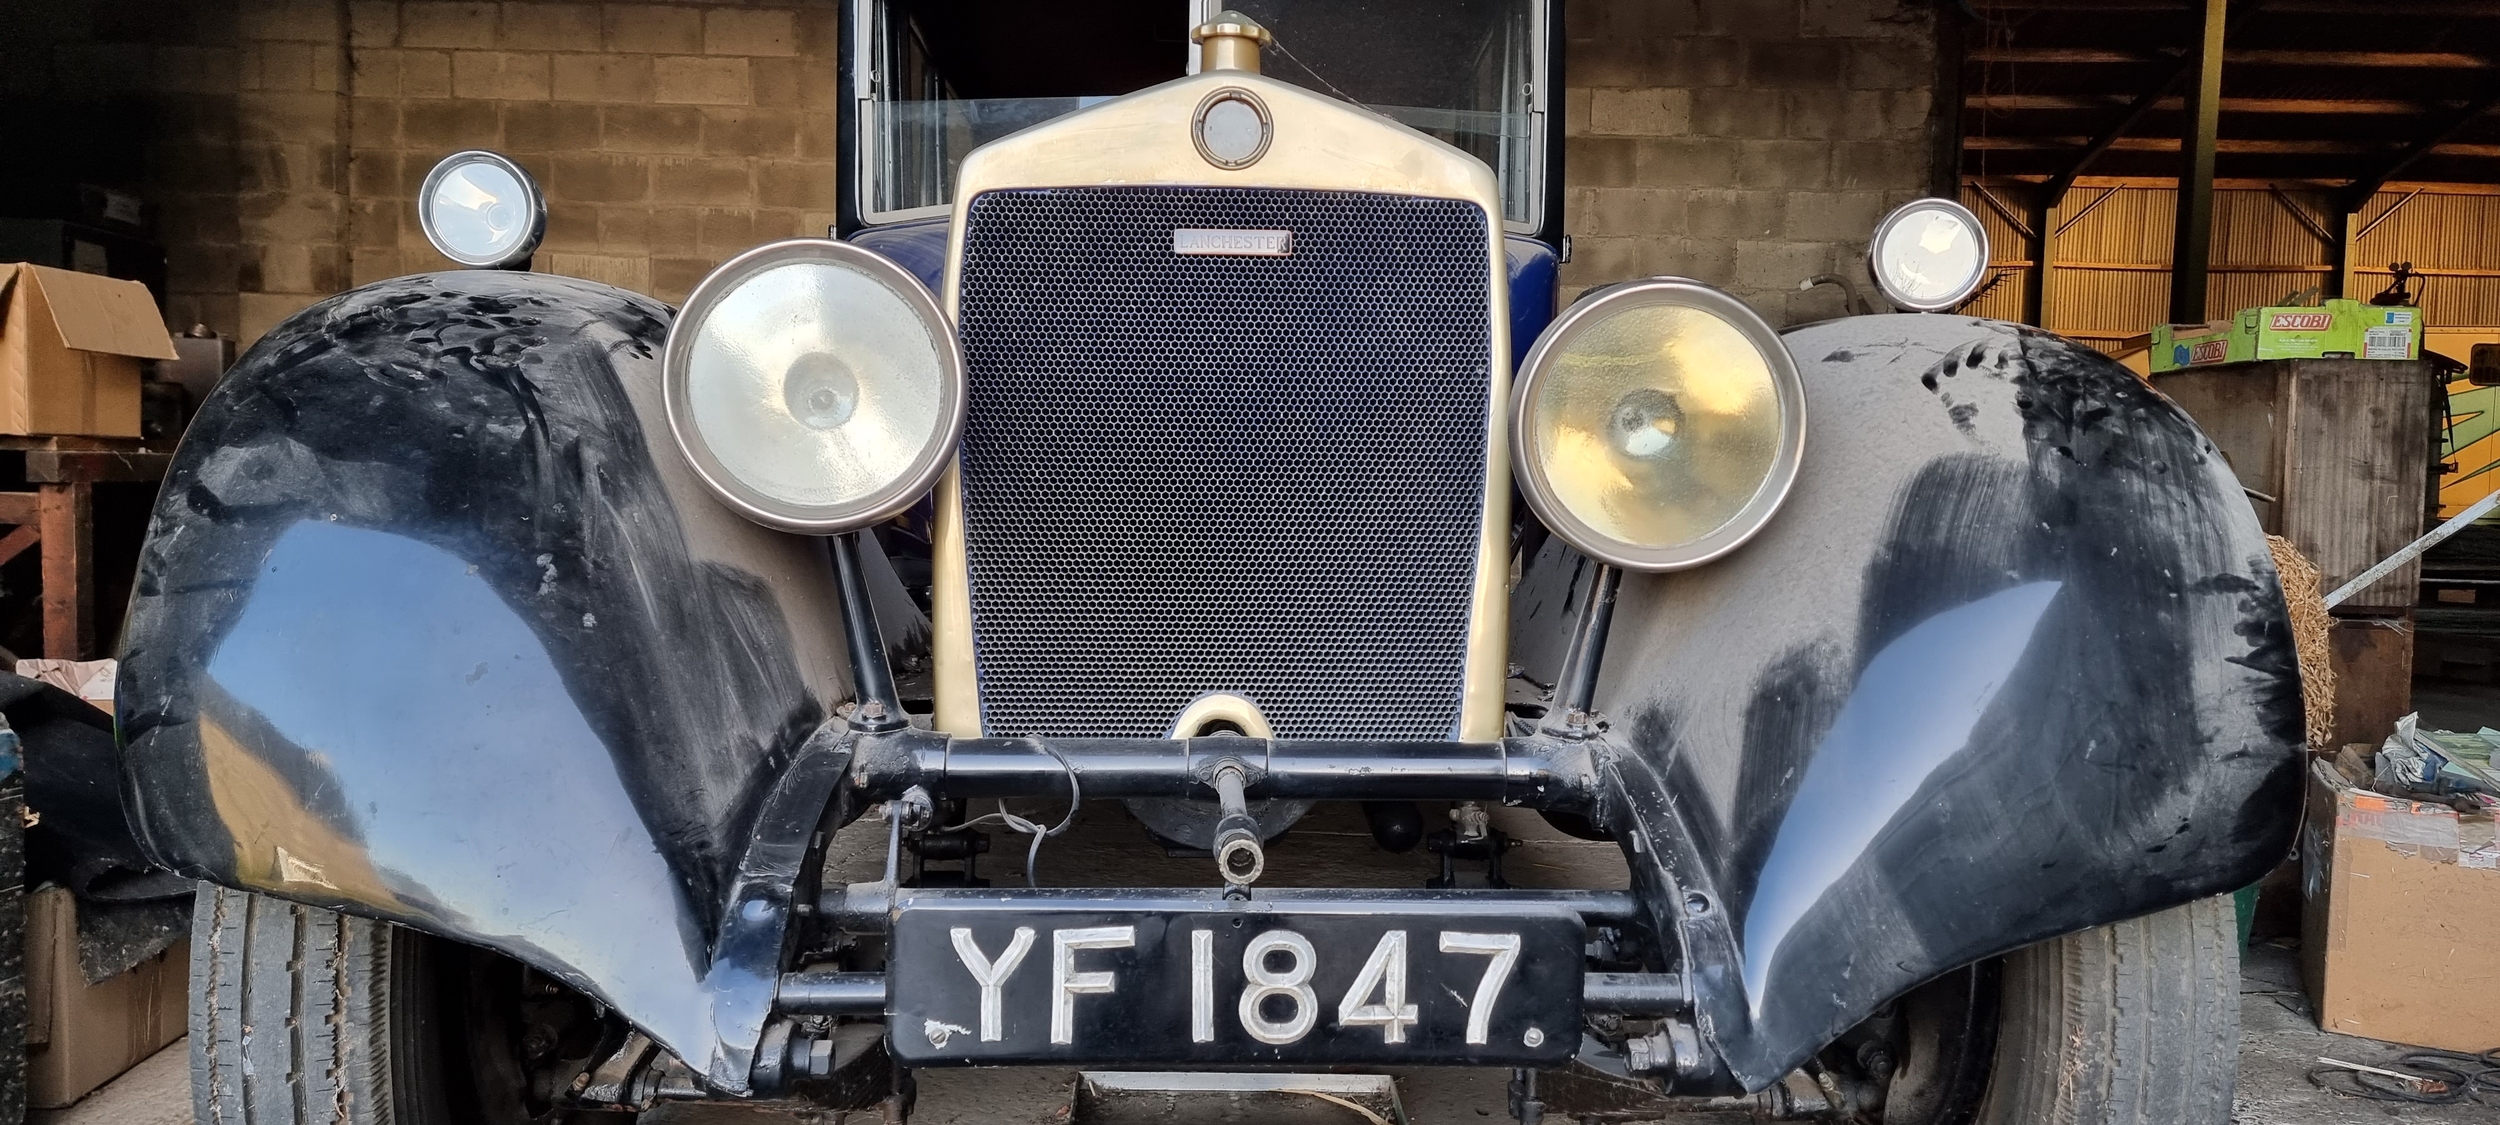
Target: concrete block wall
1748,143
667,136
290,142
233,152
282,142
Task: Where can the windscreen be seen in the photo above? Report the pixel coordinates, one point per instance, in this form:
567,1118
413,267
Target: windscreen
1461,70
944,77
939,78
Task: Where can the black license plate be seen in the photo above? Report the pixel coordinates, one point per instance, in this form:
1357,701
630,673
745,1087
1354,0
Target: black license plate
1202,980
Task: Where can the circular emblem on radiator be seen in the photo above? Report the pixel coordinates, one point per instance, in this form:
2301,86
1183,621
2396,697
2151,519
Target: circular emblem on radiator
1232,128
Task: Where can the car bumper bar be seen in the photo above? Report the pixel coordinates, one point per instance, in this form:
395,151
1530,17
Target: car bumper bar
870,908
1542,771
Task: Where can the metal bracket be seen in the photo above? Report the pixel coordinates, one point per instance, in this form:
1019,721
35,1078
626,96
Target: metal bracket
613,1081
1239,856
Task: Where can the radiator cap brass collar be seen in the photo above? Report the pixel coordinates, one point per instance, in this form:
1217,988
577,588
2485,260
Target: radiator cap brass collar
1230,41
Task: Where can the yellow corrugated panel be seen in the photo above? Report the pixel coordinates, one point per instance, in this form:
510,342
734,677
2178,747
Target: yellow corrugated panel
2255,228
2227,293
2132,225
2005,302
2262,253
2107,301
2004,242
2453,231
2450,300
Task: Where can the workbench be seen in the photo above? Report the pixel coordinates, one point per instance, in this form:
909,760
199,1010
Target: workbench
47,500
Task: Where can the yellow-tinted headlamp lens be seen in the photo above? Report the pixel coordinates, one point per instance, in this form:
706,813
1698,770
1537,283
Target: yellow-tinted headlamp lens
1658,424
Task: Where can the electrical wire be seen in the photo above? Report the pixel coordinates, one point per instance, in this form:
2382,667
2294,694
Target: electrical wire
2441,1078
1281,49
1014,823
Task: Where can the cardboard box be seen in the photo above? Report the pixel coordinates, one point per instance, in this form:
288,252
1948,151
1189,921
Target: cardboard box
2339,329
70,346
91,680
2402,899
80,1036
2191,345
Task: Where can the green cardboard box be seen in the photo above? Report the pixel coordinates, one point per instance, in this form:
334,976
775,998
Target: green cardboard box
2193,345
2339,329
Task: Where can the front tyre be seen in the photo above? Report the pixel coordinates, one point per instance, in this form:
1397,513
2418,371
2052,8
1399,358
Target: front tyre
301,1015
2134,1023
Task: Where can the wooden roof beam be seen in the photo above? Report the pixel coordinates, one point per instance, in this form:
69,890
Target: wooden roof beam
2467,9
2231,183
2134,115
2432,141
2301,106
2242,146
2252,56
2192,247
2357,60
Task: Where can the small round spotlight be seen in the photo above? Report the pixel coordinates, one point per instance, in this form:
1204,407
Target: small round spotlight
814,385
1928,255
1657,424
482,210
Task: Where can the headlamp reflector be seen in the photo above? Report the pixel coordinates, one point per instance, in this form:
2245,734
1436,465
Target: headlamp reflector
1657,424
1928,255
814,385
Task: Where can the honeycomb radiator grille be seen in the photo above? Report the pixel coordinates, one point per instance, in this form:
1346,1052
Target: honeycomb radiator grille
1258,475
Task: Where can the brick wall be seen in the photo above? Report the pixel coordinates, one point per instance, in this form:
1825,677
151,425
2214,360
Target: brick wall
1748,143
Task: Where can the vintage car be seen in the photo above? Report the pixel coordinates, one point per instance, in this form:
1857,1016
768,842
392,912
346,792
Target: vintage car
511,651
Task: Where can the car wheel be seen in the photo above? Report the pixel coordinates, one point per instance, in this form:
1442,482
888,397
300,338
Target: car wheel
2134,1023
302,1015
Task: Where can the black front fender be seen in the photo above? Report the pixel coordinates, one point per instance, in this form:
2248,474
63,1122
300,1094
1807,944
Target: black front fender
2012,661
433,625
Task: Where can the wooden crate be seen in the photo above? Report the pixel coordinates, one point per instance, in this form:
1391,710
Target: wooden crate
2336,452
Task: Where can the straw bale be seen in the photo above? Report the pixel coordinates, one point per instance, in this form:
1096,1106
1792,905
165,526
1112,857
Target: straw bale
2311,629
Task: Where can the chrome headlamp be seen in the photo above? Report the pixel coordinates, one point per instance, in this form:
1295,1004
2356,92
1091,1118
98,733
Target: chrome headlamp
1657,424
482,210
814,385
1928,255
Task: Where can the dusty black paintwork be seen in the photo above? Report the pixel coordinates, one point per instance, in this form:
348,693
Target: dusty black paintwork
2011,662
430,626
428,629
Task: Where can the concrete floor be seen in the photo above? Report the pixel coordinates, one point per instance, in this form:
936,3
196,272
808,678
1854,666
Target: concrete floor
155,1092
2452,705
2278,1045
